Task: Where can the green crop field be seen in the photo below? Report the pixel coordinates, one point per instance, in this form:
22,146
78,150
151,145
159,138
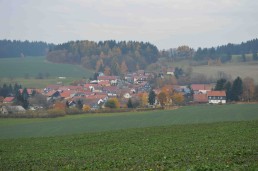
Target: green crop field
76,124
206,137
214,146
24,71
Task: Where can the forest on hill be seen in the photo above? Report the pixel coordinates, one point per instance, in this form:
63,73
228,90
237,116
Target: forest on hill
225,52
106,56
17,48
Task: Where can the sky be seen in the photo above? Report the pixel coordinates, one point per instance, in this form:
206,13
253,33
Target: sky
164,23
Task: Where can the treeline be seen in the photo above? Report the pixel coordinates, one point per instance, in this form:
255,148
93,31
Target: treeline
106,56
225,52
17,48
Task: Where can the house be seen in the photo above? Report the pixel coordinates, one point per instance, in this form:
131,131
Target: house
170,71
53,95
200,98
216,97
201,88
5,110
112,79
8,100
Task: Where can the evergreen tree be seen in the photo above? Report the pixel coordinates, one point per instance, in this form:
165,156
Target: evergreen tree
228,89
79,104
152,97
237,89
220,85
130,103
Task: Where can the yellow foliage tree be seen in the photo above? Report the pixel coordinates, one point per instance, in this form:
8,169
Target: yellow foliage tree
143,99
86,108
178,98
112,103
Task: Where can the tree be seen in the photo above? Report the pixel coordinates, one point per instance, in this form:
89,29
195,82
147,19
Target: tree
112,103
152,97
220,85
86,108
130,103
237,89
177,98
162,98
143,99
79,104
255,57
123,68
228,88
178,72
248,88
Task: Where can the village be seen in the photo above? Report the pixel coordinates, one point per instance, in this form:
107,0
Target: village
131,91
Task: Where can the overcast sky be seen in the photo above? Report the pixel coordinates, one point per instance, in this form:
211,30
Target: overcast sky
165,23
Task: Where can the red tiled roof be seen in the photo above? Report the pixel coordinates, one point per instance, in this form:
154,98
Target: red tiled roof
202,98
216,93
197,87
96,96
8,99
77,88
50,93
67,93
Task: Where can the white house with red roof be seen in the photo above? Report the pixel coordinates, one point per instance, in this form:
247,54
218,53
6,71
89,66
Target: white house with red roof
216,97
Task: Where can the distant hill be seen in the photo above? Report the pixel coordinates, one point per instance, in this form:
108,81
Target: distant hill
105,56
17,48
225,52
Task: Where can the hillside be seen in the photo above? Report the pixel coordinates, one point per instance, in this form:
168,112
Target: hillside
37,72
108,56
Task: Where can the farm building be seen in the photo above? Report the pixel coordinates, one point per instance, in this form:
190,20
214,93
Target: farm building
216,97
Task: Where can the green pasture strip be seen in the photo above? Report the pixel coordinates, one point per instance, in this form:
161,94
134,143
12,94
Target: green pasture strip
19,67
76,124
213,146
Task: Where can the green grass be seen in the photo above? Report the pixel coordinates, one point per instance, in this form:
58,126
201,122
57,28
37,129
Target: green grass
77,124
206,137
15,70
216,146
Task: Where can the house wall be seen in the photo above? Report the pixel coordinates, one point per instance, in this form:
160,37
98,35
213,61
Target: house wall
217,99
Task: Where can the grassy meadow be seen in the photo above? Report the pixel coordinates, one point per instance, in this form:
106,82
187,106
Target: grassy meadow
208,137
24,71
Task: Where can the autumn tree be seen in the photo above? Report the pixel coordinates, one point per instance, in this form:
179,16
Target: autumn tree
177,98
248,88
86,108
112,103
162,98
143,99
